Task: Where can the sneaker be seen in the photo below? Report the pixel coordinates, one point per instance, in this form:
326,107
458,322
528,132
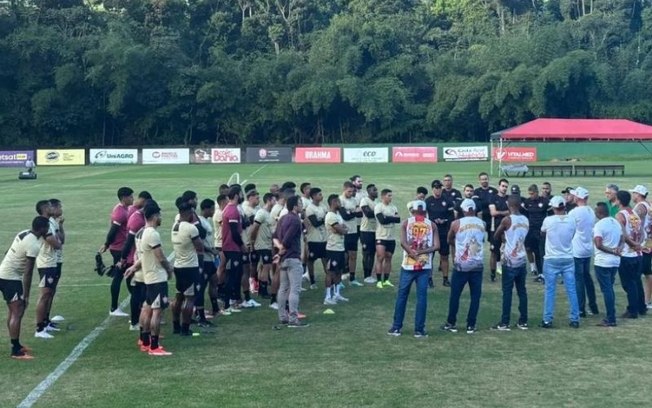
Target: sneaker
43,335
583,314
52,328
118,313
522,326
449,327
649,306
471,329
388,284
57,319
313,286
134,327
246,305
499,270
205,324
379,284
303,289
394,332
446,282
605,323
539,279
574,325
356,283
372,280
21,355
253,303
159,351
340,298
232,310
420,334
330,301
305,276
545,325
224,312
298,325
274,306
501,327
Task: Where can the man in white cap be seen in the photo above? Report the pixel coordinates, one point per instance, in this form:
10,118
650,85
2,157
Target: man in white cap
419,239
466,240
584,218
642,209
558,230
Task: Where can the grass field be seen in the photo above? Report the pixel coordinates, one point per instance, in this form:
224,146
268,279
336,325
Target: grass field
342,360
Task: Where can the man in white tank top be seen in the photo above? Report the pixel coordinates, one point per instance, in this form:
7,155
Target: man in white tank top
630,260
512,231
642,209
419,239
559,230
466,241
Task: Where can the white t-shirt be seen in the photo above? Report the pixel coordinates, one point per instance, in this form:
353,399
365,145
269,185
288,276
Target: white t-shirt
610,231
583,239
559,231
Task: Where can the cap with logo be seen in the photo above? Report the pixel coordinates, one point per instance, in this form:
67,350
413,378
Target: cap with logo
579,192
467,205
639,189
557,202
516,189
436,184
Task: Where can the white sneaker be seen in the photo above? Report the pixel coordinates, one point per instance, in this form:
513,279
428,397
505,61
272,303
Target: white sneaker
253,303
356,283
118,313
134,327
49,328
233,310
330,301
340,298
246,304
305,276
370,279
313,286
57,319
43,335
274,306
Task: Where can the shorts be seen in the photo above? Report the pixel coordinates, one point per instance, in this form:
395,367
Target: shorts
532,240
444,248
390,246
48,277
368,241
494,245
336,261
187,280
233,261
646,264
351,242
12,290
316,250
59,267
156,295
209,270
265,255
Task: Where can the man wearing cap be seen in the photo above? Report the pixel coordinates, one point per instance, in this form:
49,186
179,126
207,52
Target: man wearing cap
466,239
558,230
440,212
583,249
499,210
535,208
570,200
630,261
610,192
608,240
642,208
419,239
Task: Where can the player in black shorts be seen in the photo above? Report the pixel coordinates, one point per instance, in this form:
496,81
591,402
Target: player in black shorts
368,233
498,209
440,212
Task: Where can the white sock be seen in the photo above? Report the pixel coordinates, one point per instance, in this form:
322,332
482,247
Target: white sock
498,265
328,292
533,267
337,290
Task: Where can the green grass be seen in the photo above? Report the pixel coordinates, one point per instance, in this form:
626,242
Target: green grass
341,360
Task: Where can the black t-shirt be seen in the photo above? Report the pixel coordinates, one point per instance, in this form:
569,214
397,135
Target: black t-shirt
501,205
453,195
536,210
485,197
441,208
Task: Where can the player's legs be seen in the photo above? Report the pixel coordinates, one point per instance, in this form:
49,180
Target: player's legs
118,276
380,263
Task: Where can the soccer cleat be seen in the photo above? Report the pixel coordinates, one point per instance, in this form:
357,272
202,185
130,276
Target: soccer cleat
21,355
379,284
471,329
117,313
522,326
52,328
43,335
501,327
370,280
25,349
159,351
340,298
449,327
298,325
420,334
274,306
394,332
330,301
134,327
387,283
356,283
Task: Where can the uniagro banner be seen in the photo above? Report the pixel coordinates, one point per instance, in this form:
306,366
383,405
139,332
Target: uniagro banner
226,155
414,154
200,155
466,153
318,155
515,154
166,156
366,155
113,156
269,155
15,158
61,157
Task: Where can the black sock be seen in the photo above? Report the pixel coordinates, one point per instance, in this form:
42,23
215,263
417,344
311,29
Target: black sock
215,305
176,327
185,327
15,346
262,288
386,277
247,295
41,326
154,344
351,276
145,337
273,299
379,277
201,314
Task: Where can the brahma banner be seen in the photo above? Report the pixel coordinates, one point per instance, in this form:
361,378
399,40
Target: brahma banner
226,156
61,157
366,155
466,153
15,158
166,156
318,155
269,155
113,156
515,154
414,154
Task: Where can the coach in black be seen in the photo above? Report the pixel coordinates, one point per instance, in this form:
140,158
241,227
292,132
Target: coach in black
440,212
535,208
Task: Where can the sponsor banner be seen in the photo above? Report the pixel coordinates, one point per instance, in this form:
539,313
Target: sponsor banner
318,155
200,155
61,157
366,155
466,153
269,155
515,154
226,155
113,156
15,158
414,154
166,156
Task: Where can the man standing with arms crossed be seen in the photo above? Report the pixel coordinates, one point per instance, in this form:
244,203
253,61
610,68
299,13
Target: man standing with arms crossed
335,231
642,209
261,239
350,212
387,217
608,240
368,232
316,233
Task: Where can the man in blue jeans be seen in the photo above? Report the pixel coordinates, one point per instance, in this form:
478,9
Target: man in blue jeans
419,239
558,230
608,239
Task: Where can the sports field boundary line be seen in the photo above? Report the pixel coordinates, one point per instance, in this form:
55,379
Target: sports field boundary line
61,369
82,285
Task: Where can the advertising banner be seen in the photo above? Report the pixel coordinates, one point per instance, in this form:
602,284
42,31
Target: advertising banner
318,155
113,156
226,156
366,155
166,156
414,154
15,158
269,155
515,154
466,153
61,157
200,155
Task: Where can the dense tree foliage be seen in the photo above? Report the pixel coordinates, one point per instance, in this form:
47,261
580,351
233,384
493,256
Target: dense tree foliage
126,72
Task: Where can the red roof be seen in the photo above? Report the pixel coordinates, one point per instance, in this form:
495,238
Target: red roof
577,129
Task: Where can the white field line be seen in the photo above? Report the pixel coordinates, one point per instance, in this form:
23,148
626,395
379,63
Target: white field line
61,369
82,285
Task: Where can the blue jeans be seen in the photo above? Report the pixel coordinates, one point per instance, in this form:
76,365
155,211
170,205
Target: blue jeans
458,281
584,284
405,283
630,278
565,267
514,277
606,278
